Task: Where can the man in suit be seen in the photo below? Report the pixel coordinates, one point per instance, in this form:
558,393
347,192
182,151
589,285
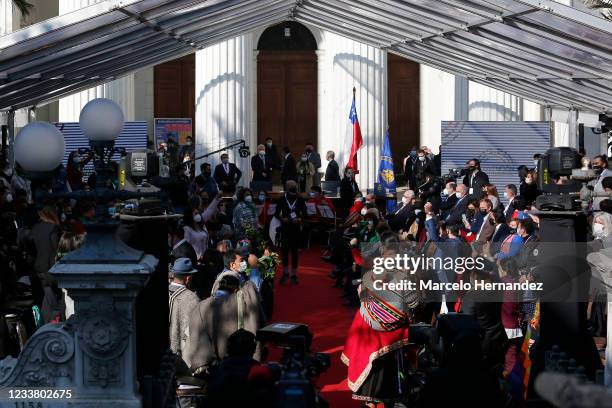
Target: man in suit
487,228
289,168
403,216
476,179
510,193
409,167
448,198
261,164
332,172
422,167
272,153
315,159
227,175
454,214
348,189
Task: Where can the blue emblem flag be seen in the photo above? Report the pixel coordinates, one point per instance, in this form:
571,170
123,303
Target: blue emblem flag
386,175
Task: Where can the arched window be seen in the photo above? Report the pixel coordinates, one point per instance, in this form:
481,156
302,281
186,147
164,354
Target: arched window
287,36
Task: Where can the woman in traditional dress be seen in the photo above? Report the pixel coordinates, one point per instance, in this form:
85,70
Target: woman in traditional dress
379,330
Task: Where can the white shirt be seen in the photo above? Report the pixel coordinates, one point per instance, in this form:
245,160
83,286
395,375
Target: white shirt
197,239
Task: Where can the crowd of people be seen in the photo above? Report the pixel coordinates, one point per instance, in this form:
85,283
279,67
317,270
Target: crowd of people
223,261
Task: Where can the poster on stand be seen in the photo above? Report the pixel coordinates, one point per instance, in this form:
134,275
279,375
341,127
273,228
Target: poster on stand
176,128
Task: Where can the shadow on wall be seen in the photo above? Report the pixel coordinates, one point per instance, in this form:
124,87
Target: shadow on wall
500,110
227,77
348,61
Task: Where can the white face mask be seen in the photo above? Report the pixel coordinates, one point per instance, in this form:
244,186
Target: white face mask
405,200
248,199
262,197
445,191
243,266
364,211
535,163
187,143
311,194
505,194
197,218
459,195
262,152
598,230
8,197
269,144
422,158
370,223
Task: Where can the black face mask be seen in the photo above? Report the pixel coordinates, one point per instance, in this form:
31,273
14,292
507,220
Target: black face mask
483,212
292,192
309,150
470,213
207,173
513,230
472,168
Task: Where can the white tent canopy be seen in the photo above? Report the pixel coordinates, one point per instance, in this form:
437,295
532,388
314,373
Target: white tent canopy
541,50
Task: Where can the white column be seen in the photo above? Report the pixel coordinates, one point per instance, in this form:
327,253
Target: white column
437,99
120,90
6,17
224,98
489,104
344,64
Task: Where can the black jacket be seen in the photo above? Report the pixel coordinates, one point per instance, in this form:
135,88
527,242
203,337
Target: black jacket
227,181
261,166
528,192
289,171
272,153
508,211
454,214
332,172
447,204
402,218
348,188
420,168
476,183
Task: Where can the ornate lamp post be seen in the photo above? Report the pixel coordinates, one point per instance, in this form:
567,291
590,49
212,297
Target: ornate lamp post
93,353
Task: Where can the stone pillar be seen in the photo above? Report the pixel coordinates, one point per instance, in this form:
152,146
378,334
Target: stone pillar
224,98
353,64
93,353
120,90
437,97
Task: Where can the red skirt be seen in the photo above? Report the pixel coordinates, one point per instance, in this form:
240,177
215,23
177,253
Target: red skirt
364,345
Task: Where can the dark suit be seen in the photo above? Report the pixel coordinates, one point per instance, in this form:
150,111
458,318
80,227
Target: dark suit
272,153
315,159
484,234
289,171
227,180
260,166
454,214
509,210
332,172
476,183
348,188
446,203
419,170
401,218
408,171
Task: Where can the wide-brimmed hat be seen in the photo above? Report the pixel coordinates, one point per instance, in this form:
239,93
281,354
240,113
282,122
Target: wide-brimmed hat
183,266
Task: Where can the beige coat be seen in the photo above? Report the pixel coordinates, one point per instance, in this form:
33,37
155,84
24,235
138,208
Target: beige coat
215,319
182,303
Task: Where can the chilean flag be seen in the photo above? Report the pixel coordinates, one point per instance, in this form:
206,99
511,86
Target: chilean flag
357,139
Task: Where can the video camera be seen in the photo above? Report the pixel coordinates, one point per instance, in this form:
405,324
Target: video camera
298,367
563,176
453,175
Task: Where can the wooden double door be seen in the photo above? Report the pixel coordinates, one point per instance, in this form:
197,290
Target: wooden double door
287,98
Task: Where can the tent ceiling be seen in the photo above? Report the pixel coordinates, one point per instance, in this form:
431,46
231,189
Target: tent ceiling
538,49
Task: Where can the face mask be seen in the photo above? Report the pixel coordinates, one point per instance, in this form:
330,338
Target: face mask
417,212
8,171
404,200
459,195
309,150
248,199
412,152
261,152
197,218
76,159
234,197
535,163
207,173
311,194
445,191
422,158
349,174
598,230
513,230
370,223
262,197
63,217
304,158
243,266
364,211
528,181
358,199
483,212
472,168
269,144
505,194
292,192
225,161
188,143
8,198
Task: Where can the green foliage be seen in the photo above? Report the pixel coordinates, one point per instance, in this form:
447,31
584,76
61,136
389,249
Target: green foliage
604,6
23,6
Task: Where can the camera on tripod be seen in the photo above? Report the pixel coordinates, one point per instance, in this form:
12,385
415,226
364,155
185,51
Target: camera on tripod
297,367
453,175
563,178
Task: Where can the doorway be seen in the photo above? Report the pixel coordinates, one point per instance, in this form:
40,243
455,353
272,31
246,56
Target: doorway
287,87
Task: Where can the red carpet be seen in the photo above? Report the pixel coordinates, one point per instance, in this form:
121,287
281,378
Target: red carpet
314,302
